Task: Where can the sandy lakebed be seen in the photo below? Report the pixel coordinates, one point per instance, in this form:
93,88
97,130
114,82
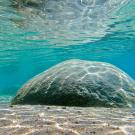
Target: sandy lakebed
58,120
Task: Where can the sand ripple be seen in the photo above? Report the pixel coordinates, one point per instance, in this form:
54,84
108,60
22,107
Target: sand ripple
52,120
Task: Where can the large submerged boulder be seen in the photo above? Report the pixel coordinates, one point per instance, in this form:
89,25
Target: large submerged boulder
79,83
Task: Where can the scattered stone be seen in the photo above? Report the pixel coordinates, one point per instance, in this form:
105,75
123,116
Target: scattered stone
63,107
66,122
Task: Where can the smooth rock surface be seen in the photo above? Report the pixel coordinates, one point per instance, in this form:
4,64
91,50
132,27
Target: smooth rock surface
79,83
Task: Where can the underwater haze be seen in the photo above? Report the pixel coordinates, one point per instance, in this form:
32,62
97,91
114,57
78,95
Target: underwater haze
34,36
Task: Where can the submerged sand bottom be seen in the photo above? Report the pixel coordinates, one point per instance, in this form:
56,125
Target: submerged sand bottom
52,120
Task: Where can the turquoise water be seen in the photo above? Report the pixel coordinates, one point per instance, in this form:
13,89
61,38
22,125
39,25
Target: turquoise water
34,37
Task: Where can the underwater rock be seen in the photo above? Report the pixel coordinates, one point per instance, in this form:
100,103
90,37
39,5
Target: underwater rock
79,83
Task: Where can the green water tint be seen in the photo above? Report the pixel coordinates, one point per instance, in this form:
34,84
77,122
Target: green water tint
34,38
70,22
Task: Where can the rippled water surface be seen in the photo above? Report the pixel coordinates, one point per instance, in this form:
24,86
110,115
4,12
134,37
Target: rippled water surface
36,35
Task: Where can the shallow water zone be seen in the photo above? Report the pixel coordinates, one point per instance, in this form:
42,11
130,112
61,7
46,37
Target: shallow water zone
36,35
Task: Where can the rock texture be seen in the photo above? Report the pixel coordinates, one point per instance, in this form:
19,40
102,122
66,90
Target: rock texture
79,83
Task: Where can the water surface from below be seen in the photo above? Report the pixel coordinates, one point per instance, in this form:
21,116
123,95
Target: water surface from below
99,34
35,36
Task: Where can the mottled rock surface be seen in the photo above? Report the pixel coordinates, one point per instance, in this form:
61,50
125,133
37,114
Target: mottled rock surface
79,83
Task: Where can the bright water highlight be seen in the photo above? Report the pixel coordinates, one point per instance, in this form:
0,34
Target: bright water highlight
34,37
